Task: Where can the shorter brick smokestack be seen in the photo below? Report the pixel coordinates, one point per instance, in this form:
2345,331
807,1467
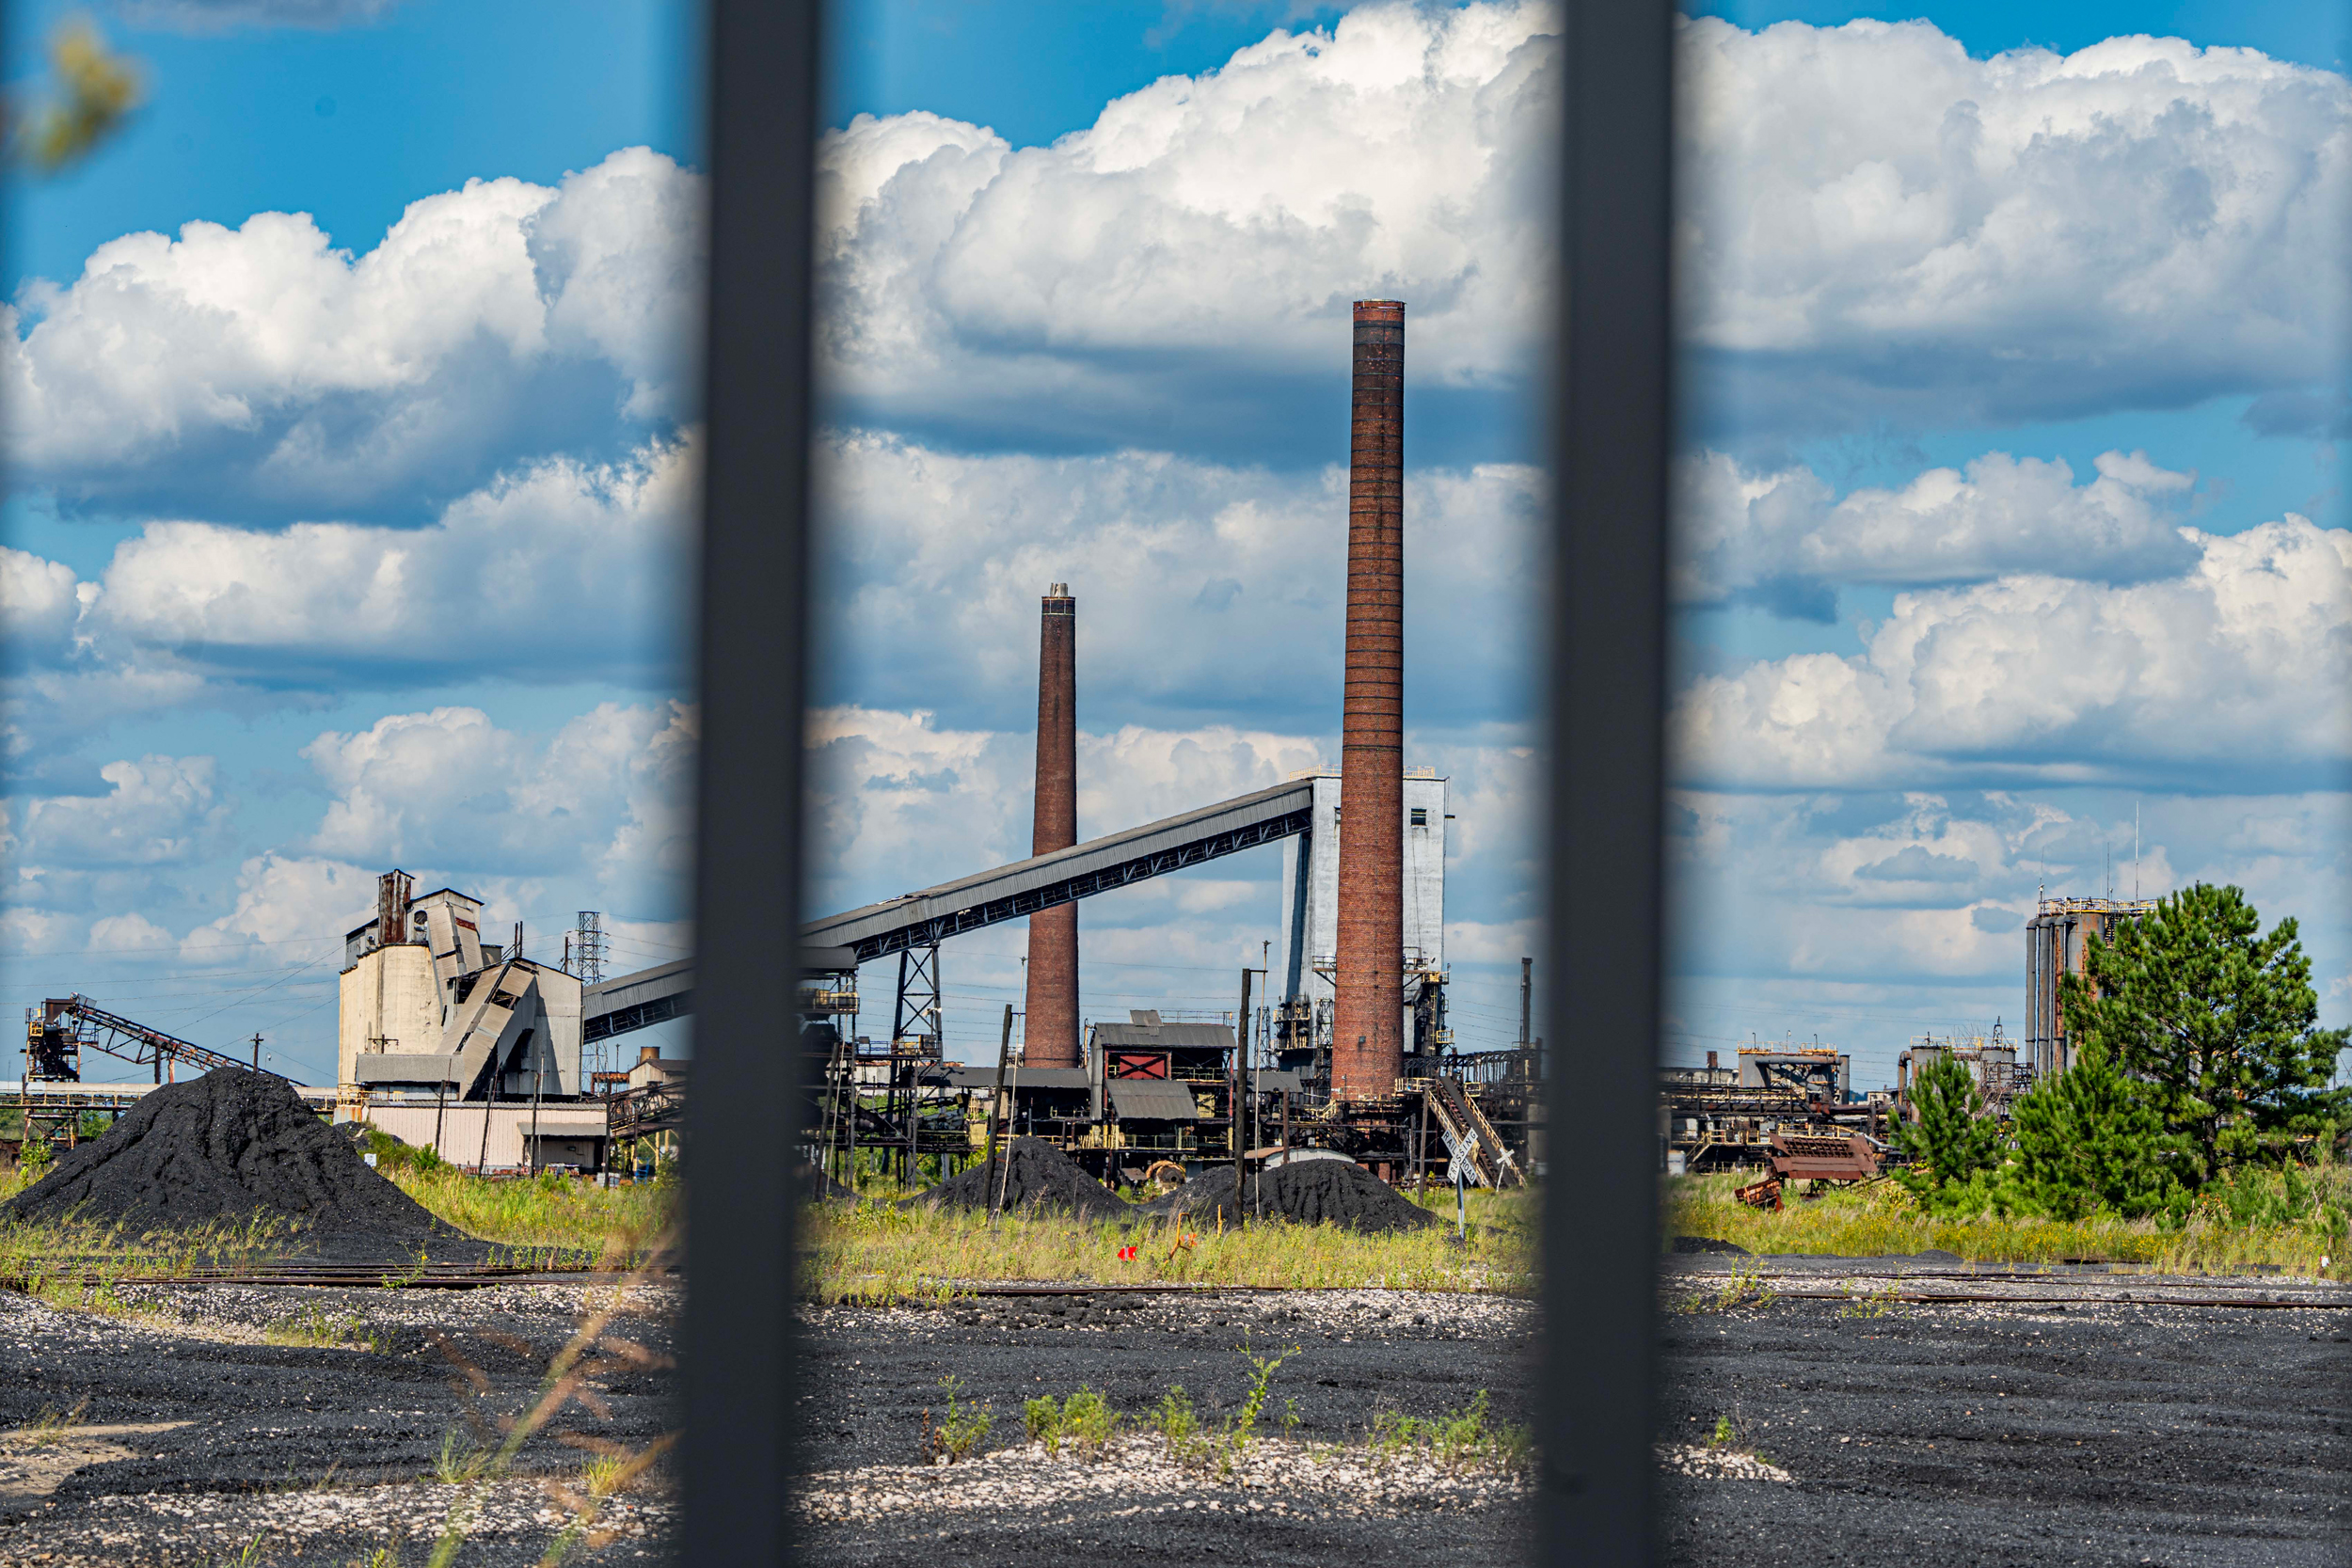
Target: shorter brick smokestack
1052,1030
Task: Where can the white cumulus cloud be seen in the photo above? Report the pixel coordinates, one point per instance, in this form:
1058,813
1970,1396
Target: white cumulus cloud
1201,587
1877,225
1787,539
2237,668
260,371
607,796
155,811
560,566
1186,260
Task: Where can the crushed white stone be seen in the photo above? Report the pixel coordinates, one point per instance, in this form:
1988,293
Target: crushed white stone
1135,1475
411,1514
1692,1459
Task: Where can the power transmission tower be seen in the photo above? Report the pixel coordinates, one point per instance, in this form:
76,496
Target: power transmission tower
585,948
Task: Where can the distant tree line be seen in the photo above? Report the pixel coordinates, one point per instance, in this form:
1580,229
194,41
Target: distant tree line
2197,1054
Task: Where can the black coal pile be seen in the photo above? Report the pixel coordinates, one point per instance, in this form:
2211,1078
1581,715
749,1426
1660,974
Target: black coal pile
228,1147
815,1186
1035,1176
1688,1245
1306,1192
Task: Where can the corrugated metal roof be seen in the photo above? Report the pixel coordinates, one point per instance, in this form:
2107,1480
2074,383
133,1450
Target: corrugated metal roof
1184,1037
1151,1100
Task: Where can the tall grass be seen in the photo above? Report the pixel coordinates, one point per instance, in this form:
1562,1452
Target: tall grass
875,1252
2264,1218
548,1217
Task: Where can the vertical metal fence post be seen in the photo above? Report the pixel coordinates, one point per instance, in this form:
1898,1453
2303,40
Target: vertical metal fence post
738,1386
1612,420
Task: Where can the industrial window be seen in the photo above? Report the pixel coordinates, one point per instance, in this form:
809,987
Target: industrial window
1420,817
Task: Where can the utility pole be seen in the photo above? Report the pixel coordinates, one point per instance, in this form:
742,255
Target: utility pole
1239,1131
538,1087
995,1108
257,1050
1527,997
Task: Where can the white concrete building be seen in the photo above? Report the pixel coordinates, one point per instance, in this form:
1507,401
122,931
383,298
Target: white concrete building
1305,958
427,1006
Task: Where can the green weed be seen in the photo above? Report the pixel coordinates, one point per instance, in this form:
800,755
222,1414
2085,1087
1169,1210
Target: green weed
1456,1441
1886,1302
461,1459
53,1425
877,1252
315,1328
1178,1426
1745,1287
2287,1217
1083,1420
961,1430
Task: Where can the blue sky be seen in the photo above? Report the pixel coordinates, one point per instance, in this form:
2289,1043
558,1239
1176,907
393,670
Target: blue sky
341,544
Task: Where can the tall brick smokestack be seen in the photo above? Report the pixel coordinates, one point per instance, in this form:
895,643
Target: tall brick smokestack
1052,1030
1367,1031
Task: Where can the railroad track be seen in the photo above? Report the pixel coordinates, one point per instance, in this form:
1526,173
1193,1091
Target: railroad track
2249,1297
458,1277
2122,1298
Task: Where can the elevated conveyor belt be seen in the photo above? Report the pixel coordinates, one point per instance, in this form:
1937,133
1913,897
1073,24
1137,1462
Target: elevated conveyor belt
628,1002
75,1023
1098,865
655,995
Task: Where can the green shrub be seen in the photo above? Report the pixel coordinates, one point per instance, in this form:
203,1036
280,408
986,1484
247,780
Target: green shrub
1456,1441
961,1430
2087,1140
1955,1145
1083,1420
1174,1420
392,1154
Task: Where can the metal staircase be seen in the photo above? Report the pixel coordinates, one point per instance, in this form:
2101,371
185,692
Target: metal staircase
1470,1136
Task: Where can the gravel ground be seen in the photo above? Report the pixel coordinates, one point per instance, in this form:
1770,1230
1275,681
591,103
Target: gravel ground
2069,1432
196,1438
867,1499
2022,1430
1866,1429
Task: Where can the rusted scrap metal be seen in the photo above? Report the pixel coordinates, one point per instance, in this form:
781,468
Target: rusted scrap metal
1815,1157
1811,1158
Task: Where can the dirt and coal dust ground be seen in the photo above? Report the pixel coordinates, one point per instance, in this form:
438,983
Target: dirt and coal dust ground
192,1440
1963,1433
2080,1430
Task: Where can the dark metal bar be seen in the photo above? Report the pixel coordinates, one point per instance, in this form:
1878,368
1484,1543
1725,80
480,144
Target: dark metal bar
739,1382
1612,425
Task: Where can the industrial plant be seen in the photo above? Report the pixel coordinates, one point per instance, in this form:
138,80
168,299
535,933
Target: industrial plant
1340,1045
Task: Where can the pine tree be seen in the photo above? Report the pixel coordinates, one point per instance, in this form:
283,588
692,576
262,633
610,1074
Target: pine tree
1953,1141
2217,1020
2089,1139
